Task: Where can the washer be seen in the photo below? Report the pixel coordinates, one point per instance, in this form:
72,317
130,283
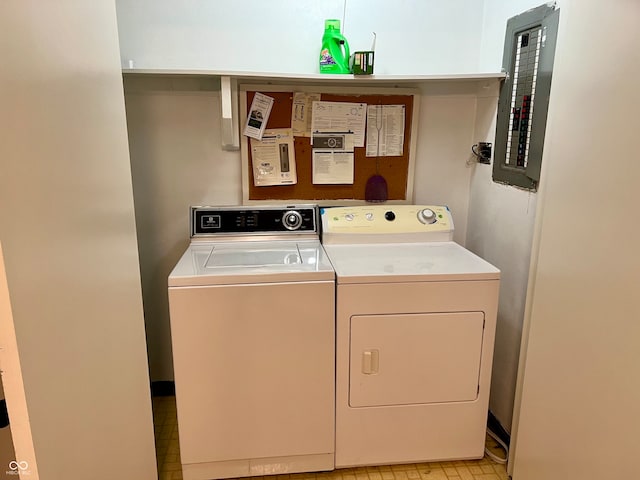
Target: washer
252,304
415,324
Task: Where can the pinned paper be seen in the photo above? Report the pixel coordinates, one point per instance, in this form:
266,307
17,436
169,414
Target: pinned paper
340,117
332,158
332,167
258,116
385,130
301,113
273,158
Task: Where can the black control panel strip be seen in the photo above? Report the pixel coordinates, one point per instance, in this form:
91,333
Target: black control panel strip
210,221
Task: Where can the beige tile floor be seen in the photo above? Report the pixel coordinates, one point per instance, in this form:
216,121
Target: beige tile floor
168,456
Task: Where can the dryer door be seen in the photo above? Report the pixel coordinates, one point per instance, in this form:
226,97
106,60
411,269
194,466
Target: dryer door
415,358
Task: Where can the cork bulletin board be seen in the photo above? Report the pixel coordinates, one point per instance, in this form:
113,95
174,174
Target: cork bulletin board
397,170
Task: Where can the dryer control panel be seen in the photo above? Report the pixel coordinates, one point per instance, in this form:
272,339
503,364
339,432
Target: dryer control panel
379,223
258,220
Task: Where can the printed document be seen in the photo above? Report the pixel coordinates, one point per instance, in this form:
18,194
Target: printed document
273,158
258,116
301,113
385,130
340,117
332,167
332,158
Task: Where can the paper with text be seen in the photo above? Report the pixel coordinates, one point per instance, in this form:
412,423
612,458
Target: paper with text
258,116
301,113
340,117
331,167
385,130
332,158
273,158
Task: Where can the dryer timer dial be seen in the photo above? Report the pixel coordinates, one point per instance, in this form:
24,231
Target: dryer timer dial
427,216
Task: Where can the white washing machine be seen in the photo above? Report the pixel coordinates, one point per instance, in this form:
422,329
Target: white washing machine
252,304
415,323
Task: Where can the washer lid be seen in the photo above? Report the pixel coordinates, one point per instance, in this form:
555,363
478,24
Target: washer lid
230,256
224,263
408,262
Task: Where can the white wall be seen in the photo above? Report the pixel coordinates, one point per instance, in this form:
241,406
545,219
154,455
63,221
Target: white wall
176,161
68,234
445,136
494,23
285,36
500,229
501,221
580,409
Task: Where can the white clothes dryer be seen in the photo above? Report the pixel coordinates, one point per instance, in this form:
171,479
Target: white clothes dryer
415,324
252,326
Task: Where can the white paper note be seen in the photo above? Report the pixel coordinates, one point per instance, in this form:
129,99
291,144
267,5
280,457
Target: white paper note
330,167
332,158
385,130
340,117
273,158
301,113
258,116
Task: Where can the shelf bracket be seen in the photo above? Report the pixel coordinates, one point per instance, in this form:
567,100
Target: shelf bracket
229,118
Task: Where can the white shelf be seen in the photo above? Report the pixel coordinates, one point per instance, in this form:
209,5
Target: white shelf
462,83
315,77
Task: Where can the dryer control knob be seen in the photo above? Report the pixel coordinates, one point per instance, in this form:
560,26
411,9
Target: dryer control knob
390,216
427,216
292,220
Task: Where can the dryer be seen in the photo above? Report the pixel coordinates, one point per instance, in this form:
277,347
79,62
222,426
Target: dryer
415,325
252,328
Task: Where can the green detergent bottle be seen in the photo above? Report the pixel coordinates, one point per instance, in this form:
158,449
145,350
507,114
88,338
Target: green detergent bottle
334,56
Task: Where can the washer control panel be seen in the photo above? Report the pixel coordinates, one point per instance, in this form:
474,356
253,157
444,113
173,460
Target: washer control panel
250,220
387,219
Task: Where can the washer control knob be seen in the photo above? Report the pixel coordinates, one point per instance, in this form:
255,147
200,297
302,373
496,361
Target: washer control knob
369,216
390,216
427,216
349,217
292,220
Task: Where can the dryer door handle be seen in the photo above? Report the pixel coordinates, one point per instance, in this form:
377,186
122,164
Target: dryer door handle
370,362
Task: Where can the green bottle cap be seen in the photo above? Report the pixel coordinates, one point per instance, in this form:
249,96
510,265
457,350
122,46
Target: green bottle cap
333,24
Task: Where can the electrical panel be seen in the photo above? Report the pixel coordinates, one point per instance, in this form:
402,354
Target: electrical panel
524,98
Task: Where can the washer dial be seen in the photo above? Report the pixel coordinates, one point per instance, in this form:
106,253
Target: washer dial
427,216
292,220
